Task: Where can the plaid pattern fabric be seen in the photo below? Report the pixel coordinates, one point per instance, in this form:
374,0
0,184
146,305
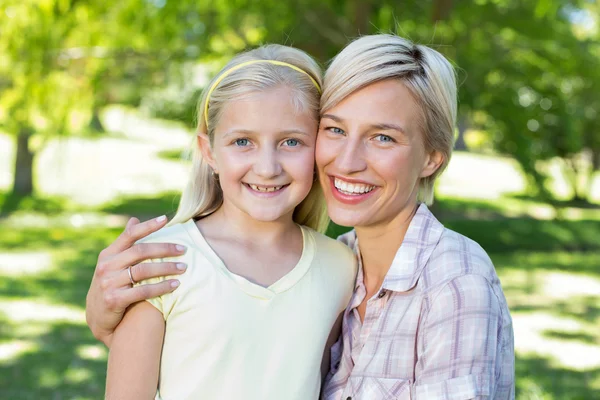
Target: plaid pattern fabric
439,329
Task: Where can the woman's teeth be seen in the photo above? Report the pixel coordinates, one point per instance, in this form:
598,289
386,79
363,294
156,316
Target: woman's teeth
265,189
352,188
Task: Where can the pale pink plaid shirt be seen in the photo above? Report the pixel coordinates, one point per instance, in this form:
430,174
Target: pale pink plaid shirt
439,329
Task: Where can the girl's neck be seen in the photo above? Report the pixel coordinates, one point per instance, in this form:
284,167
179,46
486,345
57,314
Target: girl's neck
380,243
241,227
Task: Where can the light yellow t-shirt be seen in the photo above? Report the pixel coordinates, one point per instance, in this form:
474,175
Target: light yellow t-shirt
228,338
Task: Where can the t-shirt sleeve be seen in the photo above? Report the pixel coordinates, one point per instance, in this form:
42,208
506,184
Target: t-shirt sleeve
163,303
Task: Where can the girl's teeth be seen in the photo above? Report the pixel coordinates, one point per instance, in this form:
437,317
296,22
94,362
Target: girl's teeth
265,189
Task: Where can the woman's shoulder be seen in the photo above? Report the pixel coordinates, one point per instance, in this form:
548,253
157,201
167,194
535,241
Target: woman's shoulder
457,255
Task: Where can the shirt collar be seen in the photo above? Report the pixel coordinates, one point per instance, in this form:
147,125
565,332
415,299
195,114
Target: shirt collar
421,238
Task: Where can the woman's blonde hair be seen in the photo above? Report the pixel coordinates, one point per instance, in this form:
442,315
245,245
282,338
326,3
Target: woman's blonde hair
203,195
427,74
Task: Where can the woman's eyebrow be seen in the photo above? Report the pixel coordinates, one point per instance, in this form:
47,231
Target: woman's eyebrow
332,117
386,127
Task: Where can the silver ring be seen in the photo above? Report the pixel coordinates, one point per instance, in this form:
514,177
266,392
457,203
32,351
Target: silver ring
130,276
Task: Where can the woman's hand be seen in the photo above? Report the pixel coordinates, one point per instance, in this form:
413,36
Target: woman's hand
111,290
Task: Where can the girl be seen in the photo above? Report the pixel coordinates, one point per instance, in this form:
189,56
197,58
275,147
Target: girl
263,287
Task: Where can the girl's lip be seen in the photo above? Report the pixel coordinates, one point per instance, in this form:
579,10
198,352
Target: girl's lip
266,194
350,199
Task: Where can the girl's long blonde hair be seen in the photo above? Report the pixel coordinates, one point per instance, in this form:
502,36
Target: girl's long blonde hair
203,195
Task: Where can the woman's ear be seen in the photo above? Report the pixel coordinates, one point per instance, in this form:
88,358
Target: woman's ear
432,162
205,149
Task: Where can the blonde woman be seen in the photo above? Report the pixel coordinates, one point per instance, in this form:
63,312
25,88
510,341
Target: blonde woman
427,319
263,287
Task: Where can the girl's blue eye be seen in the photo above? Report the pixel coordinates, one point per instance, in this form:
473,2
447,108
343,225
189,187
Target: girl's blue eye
292,142
384,139
242,142
337,131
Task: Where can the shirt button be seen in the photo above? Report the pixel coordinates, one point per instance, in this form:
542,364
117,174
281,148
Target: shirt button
381,294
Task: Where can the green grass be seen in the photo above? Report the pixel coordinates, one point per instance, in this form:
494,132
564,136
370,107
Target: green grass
548,269
144,207
9,203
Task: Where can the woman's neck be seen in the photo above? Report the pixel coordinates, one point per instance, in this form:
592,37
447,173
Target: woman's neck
380,243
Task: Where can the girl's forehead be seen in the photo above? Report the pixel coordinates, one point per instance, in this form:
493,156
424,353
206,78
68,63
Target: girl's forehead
272,111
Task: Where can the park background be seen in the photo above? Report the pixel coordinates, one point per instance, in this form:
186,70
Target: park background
97,111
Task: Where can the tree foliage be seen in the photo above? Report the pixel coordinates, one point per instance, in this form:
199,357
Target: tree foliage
528,68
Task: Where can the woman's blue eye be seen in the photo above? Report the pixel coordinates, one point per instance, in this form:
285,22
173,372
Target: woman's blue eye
336,130
384,138
241,142
292,142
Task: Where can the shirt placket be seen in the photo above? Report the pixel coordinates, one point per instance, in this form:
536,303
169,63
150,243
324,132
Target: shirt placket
361,333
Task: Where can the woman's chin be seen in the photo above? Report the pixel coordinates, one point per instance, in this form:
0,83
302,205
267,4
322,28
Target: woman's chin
345,217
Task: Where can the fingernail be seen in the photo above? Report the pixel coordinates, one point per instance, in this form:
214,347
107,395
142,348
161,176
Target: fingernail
180,247
174,283
181,266
162,218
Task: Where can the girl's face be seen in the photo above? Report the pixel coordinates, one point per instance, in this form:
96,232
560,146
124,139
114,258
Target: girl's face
263,151
371,156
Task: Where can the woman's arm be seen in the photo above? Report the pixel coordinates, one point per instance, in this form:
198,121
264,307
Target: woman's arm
460,342
111,291
134,358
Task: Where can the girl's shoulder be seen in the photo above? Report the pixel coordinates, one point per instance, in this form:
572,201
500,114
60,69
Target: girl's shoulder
331,250
176,234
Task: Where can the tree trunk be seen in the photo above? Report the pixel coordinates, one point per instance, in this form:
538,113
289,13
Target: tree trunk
460,143
23,181
441,10
96,123
362,14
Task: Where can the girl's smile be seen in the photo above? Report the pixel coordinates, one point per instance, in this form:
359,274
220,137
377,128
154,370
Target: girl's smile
265,164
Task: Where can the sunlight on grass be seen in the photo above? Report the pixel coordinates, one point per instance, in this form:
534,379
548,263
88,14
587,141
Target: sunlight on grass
558,285
92,352
77,375
15,348
21,264
489,177
26,311
530,337
555,313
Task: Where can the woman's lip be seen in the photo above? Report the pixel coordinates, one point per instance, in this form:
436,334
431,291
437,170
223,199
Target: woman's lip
350,180
266,194
350,199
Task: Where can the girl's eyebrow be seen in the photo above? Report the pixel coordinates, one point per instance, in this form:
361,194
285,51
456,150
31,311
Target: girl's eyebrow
248,132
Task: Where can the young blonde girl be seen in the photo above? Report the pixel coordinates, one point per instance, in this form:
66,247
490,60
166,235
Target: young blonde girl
263,286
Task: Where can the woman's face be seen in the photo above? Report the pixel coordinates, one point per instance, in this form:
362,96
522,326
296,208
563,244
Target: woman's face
371,156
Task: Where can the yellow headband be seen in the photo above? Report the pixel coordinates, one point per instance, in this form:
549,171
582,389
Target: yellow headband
235,68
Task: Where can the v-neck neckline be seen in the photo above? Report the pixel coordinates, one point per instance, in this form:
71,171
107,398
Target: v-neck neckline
284,283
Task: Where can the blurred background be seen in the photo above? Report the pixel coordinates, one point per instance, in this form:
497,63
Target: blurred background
97,110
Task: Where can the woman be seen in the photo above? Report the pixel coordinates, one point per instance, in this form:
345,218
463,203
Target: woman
428,319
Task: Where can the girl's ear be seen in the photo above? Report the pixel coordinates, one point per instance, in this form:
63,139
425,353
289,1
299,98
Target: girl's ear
205,149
